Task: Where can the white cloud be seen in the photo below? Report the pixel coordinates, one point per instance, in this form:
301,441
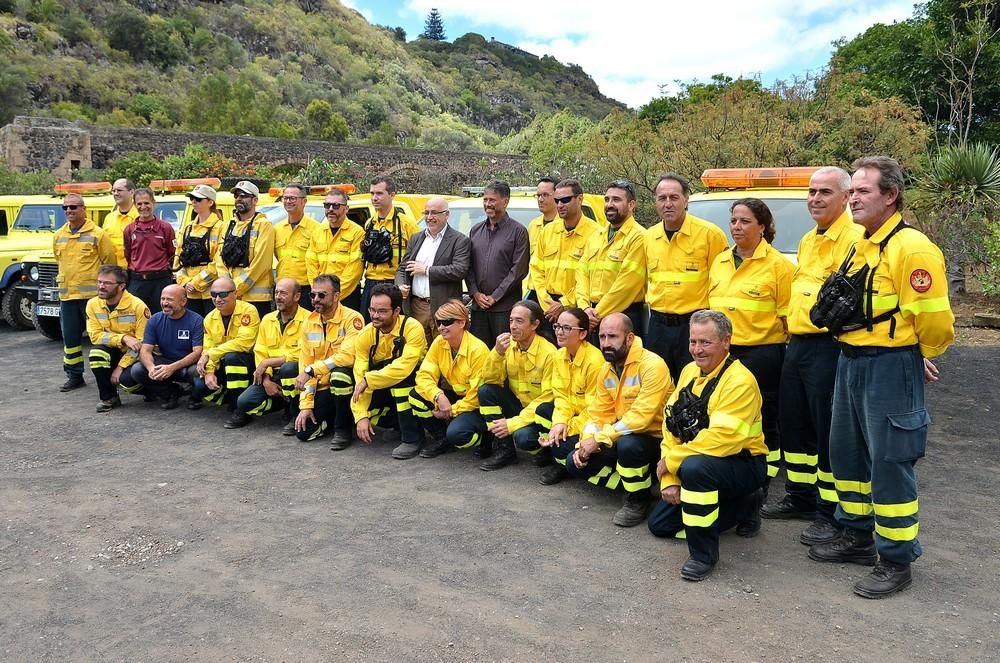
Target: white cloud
632,47
367,13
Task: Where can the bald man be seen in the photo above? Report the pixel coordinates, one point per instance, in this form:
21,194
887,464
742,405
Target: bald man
434,266
276,354
225,367
620,442
171,346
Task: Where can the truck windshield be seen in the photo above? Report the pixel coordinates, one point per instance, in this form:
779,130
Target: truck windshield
791,219
40,217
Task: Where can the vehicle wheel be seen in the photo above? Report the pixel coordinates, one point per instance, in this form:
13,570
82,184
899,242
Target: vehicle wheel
16,309
47,327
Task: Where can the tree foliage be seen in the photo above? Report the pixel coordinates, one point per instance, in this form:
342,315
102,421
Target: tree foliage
945,60
433,27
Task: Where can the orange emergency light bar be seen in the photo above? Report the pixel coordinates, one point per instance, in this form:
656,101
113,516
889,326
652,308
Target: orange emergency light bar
318,190
185,184
83,187
744,178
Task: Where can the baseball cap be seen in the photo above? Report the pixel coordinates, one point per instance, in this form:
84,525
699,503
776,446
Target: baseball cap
246,187
203,191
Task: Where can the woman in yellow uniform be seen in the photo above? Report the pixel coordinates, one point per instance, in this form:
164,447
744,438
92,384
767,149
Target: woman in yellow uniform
194,260
751,284
447,382
575,371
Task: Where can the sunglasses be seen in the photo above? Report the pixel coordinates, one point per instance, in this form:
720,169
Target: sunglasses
447,322
623,184
562,200
220,295
317,295
333,206
71,208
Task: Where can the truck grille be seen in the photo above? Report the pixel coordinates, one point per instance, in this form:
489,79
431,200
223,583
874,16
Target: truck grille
47,274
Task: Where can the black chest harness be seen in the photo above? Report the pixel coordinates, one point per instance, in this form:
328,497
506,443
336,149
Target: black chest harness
844,302
688,415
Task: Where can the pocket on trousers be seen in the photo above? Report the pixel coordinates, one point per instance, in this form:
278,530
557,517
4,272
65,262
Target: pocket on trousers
907,436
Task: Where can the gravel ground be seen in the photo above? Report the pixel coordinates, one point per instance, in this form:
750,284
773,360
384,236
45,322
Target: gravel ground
144,535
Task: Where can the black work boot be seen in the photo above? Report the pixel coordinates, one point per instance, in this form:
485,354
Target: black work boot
553,474
634,509
820,531
885,579
786,509
750,528
504,454
72,383
853,545
542,459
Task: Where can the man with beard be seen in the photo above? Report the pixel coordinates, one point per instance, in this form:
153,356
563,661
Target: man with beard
171,346
335,249
116,321
149,251
276,353
387,355
679,253
621,439
713,458
246,250
326,358
230,334
499,252
612,277
557,253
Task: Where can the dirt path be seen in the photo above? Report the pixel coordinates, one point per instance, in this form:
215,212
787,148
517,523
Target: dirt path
144,535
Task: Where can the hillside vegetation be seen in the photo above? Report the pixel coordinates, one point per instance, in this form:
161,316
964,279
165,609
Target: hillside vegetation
287,69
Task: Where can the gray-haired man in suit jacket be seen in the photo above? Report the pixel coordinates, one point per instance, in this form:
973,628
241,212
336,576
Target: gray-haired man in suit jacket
435,264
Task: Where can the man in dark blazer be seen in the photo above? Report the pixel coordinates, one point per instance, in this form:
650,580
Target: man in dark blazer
434,267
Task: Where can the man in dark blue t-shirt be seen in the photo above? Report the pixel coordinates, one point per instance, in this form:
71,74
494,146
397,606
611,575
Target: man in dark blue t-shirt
171,347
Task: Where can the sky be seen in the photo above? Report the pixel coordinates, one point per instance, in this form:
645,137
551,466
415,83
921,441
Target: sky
632,48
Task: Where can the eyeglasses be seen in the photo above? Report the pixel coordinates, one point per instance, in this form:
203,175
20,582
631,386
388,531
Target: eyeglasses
220,295
71,208
333,206
557,328
317,295
379,311
447,322
428,212
293,197
244,195
562,200
543,194
109,284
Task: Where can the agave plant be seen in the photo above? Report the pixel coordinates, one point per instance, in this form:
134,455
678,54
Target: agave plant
957,198
964,174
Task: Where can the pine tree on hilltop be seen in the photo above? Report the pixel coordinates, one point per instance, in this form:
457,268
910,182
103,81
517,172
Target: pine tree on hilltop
433,27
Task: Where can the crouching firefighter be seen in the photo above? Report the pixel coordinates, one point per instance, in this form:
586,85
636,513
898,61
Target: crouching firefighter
387,355
226,365
713,460
276,353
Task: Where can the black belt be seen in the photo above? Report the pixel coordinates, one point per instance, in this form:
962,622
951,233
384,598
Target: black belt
423,299
150,276
823,336
671,319
854,351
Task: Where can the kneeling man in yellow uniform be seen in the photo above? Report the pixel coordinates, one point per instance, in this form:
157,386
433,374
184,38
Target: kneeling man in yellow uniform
713,458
